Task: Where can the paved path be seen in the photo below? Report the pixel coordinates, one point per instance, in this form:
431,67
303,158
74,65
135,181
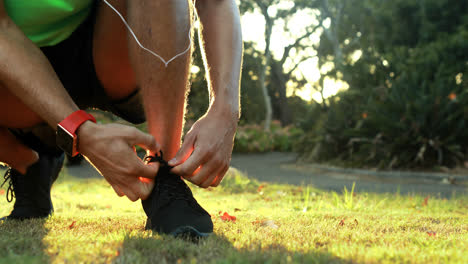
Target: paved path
281,168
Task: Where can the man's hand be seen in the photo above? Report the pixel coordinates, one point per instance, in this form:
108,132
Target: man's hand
205,155
110,148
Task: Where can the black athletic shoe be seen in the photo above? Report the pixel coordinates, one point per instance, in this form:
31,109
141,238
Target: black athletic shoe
171,208
32,190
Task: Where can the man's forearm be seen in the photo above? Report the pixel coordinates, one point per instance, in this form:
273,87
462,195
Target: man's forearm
222,51
26,72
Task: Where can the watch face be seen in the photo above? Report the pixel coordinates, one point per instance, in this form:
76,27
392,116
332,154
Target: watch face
65,141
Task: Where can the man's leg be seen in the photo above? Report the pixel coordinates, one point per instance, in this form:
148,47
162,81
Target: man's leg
15,114
161,26
35,164
121,66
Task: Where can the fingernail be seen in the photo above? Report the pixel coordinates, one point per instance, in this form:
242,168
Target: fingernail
172,161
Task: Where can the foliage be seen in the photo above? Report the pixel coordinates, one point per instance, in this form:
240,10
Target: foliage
417,126
409,84
253,138
237,182
329,132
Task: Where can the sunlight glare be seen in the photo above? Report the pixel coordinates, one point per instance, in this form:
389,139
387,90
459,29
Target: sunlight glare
253,30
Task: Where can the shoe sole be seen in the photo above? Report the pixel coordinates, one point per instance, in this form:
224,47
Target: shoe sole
188,231
16,218
181,231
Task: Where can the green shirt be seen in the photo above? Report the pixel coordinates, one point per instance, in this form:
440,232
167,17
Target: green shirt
48,22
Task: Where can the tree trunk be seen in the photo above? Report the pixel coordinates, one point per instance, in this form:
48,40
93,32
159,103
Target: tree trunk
266,97
263,71
280,79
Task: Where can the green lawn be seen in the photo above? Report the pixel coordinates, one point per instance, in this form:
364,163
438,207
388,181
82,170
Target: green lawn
274,224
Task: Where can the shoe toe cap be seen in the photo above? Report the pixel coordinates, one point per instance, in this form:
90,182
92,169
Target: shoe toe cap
179,218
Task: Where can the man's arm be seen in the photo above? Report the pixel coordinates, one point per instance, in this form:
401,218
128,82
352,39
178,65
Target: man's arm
206,152
26,73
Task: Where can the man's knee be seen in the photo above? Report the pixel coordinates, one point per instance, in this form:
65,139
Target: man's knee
130,108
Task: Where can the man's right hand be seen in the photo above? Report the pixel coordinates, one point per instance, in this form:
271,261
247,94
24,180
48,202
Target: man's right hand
110,148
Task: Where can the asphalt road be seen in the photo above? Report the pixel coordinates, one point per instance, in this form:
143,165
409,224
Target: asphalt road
281,168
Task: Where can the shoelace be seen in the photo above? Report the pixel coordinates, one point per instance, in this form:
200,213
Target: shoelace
10,192
172,185
156,158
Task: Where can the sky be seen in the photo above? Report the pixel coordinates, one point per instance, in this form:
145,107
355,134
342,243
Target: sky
253,26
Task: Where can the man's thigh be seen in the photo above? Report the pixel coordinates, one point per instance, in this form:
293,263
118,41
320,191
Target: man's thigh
110,51
112,63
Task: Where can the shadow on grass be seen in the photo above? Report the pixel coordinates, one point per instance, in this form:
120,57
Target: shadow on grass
22,241
214,249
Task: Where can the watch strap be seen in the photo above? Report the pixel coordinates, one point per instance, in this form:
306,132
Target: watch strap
72,122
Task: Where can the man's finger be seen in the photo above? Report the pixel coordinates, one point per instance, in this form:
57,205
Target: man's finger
141,190
220,177
184,152
145,189
191,164
211,178
148,170
144,140
130,193
206,171
117,190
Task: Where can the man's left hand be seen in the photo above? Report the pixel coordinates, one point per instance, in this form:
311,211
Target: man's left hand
205,154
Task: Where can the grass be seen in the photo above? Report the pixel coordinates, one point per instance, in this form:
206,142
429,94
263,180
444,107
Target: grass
274,224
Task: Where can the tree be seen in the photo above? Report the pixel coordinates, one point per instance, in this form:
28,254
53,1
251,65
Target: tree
275,73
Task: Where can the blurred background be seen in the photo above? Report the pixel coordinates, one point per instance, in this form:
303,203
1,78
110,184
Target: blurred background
360,83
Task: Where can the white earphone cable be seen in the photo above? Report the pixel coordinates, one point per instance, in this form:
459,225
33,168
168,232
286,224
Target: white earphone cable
166,63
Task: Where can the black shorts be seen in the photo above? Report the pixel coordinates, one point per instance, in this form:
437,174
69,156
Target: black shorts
72,60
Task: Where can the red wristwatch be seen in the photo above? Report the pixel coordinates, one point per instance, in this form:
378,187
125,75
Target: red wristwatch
66,137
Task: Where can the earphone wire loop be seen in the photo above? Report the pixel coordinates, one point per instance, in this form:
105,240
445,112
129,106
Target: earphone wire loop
166,63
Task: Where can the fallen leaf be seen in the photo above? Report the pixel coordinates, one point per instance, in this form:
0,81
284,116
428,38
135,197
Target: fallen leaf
227,217
426,200
2,192
237,210
260,188
72,225
431,233
341,222
117,253
356,222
